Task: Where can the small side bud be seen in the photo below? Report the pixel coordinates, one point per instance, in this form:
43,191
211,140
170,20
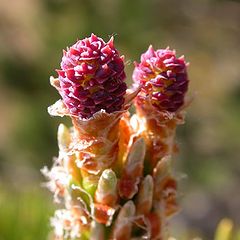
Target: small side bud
163,167
128,185
165,187
123,226
145,196
106,192
64,137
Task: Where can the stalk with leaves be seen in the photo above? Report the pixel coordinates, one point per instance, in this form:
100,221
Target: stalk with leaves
113,173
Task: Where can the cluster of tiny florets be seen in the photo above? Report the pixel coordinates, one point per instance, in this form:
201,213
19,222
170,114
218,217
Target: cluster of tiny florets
163,78
92,77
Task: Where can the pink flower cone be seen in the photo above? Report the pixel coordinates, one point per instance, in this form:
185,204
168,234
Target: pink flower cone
92,77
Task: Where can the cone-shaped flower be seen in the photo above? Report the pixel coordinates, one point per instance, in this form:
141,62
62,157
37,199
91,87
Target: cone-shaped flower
92,77
163,78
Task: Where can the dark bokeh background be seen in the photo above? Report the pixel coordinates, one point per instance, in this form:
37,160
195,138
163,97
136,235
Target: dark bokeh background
32,36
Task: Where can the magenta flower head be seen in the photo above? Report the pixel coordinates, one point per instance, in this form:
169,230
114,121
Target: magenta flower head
92,77
163,78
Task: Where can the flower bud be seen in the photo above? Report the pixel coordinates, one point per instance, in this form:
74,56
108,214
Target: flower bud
133,169
64,137
106,192
92,77
145,196
123,224
163,78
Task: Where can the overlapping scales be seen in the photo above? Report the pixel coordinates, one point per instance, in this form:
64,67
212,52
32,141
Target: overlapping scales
92,77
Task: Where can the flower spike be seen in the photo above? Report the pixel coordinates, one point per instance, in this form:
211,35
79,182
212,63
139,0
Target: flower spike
92,77
163,78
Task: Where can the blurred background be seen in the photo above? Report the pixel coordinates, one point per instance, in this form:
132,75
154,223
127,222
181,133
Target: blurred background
32,36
